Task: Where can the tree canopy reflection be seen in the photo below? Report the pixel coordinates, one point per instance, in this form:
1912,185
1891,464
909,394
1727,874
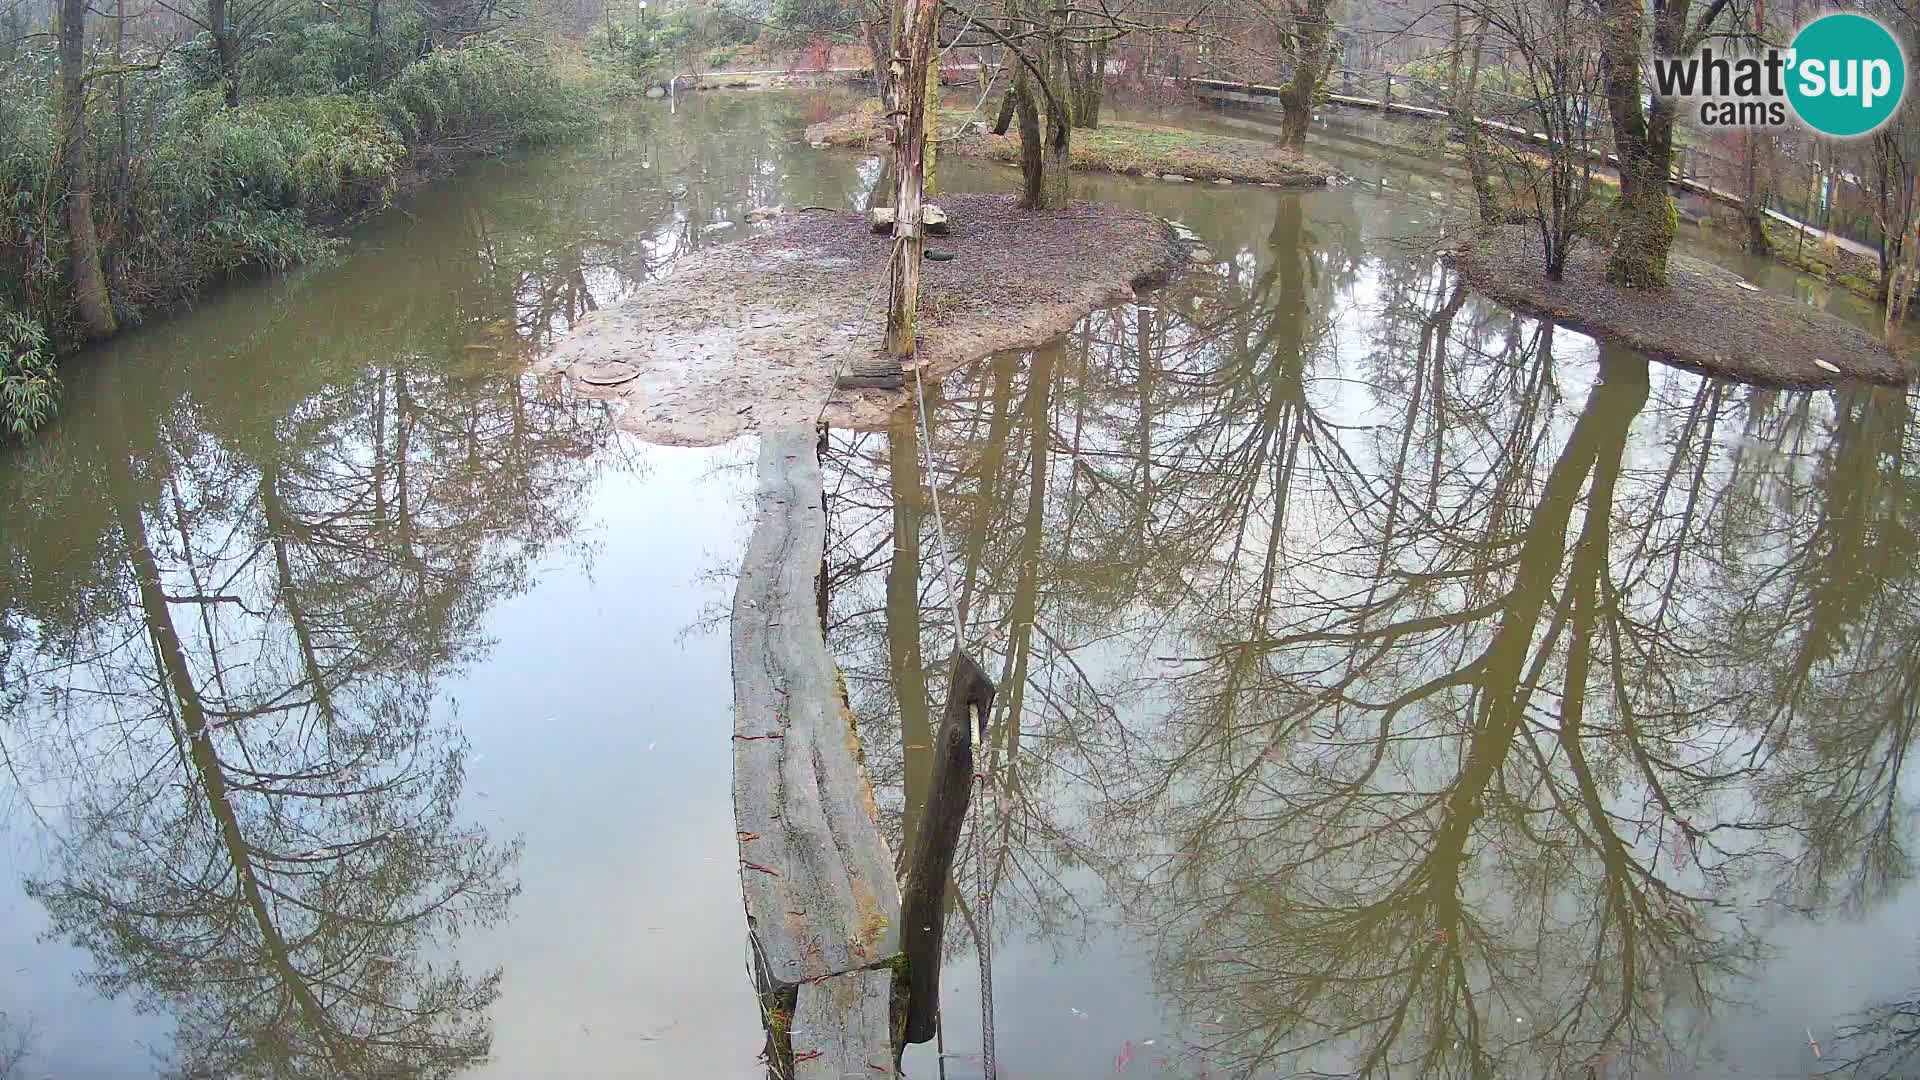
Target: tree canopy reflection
224,673
1439,696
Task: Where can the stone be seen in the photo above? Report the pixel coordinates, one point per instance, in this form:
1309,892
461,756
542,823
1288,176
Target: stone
1222,180
720,226
1825,365
876,371
656,92
1201,255
605,372
765,213
1176,178
880,219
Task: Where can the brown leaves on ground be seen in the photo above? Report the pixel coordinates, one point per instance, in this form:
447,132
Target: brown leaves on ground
1703,319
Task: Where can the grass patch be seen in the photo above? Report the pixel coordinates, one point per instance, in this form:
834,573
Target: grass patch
1856,273
1114,147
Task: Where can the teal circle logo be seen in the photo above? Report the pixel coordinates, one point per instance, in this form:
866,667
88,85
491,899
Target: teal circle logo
1848,75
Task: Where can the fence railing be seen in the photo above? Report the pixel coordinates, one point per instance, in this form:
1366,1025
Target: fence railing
1821,202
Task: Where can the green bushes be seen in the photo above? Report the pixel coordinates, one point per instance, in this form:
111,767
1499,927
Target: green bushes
483,98
189,190
678,42
28,385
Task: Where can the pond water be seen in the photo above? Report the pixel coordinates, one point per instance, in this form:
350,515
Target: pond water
1389,682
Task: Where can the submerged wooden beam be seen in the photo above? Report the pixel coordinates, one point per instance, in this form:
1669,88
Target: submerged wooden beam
818,878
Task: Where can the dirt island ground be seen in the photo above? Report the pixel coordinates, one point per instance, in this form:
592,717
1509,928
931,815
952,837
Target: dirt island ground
749,335
1705,319
1115,146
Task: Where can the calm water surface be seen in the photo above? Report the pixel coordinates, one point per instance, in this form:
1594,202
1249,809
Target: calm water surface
1389,683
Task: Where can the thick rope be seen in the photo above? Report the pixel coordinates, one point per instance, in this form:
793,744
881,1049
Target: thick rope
983,948
939,522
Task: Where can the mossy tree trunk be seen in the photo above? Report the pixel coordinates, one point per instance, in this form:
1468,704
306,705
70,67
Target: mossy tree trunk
1043,101
1643,137
1312,32
91,302
1032,167
1055,153
1643,141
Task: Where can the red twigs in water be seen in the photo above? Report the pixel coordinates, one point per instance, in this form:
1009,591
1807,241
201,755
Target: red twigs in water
757,866
808,1056
752,738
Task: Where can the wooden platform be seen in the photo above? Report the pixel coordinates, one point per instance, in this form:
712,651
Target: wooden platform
817,876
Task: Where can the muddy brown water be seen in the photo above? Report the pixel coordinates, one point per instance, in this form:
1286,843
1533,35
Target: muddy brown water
1399,684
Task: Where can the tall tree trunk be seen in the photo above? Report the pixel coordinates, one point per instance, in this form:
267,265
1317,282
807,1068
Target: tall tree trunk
1753,199
1643,141
1090,85
874,27
1055,154
1314,34
225,49
1032,165
909,74
91,302
1466,120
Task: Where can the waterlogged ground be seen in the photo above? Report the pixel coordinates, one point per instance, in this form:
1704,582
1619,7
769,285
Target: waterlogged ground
1389,683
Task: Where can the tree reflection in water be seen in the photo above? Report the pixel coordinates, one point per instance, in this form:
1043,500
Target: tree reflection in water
1438,697
222,674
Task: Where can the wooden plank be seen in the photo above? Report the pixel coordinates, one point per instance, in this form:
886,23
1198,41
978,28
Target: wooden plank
840,1027
817,876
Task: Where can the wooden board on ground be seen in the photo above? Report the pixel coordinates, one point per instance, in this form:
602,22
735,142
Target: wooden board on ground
840,1027
818,878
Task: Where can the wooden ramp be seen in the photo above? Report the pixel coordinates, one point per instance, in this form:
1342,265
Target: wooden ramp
821,898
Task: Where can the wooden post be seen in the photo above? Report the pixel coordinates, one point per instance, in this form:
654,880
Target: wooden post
923,898
909,70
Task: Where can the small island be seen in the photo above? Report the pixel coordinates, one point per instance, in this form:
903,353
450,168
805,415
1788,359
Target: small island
747,336
1116,146
1706,318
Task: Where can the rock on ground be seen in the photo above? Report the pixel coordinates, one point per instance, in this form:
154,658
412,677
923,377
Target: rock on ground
1703,320
749,335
